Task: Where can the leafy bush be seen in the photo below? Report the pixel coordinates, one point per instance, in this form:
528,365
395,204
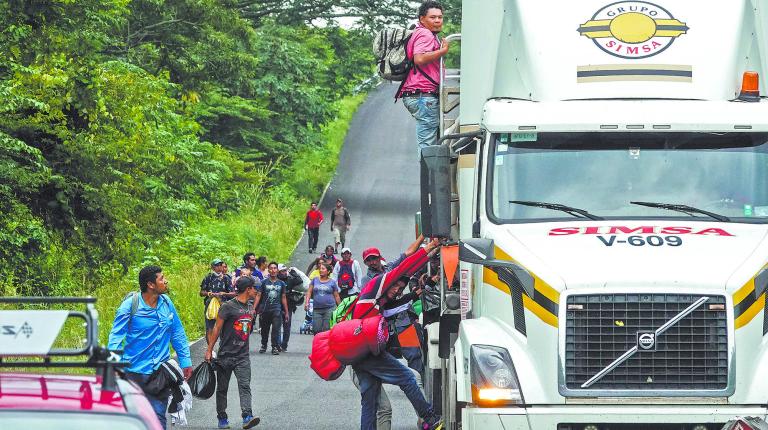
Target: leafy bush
124,123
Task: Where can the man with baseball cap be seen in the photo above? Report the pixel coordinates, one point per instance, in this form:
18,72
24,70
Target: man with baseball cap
376,265
347,274
215,284
233,326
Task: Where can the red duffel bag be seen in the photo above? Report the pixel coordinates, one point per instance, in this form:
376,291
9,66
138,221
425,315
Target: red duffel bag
322,360
352,340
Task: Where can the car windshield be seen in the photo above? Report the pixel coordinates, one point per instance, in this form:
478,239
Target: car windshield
68,421
600,173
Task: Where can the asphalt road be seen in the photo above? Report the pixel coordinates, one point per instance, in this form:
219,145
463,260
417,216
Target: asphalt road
378,180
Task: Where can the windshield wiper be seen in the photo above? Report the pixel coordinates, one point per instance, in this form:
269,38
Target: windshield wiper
578,213
690,210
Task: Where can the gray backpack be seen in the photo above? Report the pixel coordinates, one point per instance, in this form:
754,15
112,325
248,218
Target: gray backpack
389,48
134,296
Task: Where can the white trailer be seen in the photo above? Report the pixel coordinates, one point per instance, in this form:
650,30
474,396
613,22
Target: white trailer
608,192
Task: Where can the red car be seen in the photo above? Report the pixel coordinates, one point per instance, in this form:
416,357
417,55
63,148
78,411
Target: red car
103,400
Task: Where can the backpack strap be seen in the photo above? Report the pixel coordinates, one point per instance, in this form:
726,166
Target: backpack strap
415,68
134,307
418,69
350,308
425,75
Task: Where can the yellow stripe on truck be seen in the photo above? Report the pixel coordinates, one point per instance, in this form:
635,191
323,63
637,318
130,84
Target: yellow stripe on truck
750,313
491,278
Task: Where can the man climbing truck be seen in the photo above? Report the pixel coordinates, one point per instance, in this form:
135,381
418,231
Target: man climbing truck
606,186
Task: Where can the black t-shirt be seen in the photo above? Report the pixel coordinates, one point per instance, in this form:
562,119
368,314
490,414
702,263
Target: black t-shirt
293,294
215,283
238,322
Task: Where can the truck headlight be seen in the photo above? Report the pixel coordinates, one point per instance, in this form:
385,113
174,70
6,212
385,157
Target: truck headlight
494,382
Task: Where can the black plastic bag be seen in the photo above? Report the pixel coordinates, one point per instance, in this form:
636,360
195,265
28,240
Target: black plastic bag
203,381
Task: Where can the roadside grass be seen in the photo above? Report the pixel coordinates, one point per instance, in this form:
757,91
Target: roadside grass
269,223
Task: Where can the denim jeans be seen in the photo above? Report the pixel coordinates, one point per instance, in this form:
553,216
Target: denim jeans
374,370
159,403
425,110
241,367
383,406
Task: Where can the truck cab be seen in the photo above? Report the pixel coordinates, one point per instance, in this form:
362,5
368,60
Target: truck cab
608,197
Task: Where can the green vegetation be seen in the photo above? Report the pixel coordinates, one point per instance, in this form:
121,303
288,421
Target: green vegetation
259,225
125,122
169,132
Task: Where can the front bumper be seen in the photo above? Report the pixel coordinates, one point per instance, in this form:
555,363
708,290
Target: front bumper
548,417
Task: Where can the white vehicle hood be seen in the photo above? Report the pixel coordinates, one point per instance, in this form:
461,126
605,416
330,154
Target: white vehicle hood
631,253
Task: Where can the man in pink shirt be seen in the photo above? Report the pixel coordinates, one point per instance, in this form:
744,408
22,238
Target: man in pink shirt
420,89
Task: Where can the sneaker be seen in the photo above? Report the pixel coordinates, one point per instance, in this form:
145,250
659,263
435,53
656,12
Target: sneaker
275,350
284,348
432,423
262,350
250,421
310,250
223,423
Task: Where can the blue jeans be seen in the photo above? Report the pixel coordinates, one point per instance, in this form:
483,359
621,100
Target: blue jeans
159,404
374,370
425,110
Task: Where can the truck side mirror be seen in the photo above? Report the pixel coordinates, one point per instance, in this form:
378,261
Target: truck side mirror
482,251
476,250
436,191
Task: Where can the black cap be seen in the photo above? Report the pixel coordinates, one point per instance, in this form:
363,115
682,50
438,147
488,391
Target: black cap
243,283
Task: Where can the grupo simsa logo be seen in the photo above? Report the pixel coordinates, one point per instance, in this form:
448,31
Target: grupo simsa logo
633,29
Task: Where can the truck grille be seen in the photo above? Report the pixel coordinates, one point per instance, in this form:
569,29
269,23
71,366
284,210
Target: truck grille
691,355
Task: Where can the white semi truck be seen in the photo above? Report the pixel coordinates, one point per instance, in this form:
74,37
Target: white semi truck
606,183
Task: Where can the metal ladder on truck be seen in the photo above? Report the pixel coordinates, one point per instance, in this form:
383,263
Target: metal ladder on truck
449,94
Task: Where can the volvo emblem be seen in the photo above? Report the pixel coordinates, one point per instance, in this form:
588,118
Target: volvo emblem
646,340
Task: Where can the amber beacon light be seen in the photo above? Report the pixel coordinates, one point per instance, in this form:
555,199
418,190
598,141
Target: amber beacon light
750,87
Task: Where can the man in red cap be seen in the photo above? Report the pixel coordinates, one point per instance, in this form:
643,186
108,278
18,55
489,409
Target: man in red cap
373,370
376,264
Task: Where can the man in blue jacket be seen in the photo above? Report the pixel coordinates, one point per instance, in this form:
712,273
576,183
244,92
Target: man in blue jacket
148,323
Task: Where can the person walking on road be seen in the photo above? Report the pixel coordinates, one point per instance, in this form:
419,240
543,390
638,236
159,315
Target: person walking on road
250,262
313,270
340,223
325,296
274,309
148,323
296,283
421,87
347,274
261,266
216,285
234,324
312,223
329,255
373,370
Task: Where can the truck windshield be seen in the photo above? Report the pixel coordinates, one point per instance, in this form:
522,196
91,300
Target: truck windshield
602,172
